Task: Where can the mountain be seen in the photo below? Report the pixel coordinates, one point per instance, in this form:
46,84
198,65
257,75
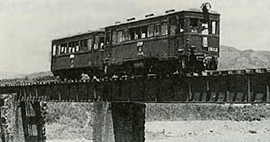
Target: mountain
9,75
32,76
39,75
232,58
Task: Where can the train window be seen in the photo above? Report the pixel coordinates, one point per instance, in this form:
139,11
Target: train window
101,42
62,49
172,30
132,34
73,50
137,34
66,49
108,37
114,37
181,26
157,29
119,36
54,50
194,25
82,45
70,45
173,26
97,41
90,43
86,45
95,46
144,32
125,35
164,29
150,31
204,27
59,50
77,48
214,27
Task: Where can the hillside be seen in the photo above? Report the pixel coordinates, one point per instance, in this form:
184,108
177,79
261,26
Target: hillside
232,58
9,75
10,78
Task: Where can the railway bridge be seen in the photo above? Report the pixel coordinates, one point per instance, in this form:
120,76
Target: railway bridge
120,102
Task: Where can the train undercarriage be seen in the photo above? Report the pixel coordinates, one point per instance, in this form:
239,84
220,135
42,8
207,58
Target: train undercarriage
180,66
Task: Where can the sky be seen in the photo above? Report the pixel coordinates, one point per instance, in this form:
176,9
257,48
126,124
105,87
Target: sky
27,27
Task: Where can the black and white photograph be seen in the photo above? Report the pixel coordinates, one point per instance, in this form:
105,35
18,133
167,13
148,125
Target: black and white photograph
134,71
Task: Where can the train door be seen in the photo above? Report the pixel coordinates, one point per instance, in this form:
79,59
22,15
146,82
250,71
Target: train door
53,52
90,44
98,52
101,53
173,32
95,50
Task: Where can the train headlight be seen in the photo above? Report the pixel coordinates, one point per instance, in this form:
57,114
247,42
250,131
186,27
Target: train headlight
206,6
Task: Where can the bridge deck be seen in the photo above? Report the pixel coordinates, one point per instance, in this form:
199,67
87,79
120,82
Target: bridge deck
215,87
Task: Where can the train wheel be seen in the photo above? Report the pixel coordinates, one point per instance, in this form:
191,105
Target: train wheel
90,75
62,78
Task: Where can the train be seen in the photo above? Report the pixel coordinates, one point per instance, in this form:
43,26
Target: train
177,42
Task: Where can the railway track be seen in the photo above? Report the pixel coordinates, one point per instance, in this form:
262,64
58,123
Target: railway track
228,86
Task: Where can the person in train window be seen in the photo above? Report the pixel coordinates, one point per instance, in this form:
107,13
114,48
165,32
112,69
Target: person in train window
194,29
194,25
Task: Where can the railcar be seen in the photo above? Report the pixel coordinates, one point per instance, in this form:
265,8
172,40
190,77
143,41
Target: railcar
178,41
174,43
77,54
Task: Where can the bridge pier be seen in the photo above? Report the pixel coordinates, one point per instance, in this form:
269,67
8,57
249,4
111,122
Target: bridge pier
11,120
33,121
118,122
128,121
102,122
112,121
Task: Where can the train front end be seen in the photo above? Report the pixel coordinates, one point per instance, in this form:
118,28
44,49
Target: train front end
200,40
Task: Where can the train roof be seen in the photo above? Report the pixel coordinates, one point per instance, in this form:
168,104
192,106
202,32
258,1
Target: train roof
191,10
101,30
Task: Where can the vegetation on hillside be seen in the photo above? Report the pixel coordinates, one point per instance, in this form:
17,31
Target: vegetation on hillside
175,112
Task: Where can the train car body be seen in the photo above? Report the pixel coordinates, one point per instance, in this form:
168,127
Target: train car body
177,41
74,55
